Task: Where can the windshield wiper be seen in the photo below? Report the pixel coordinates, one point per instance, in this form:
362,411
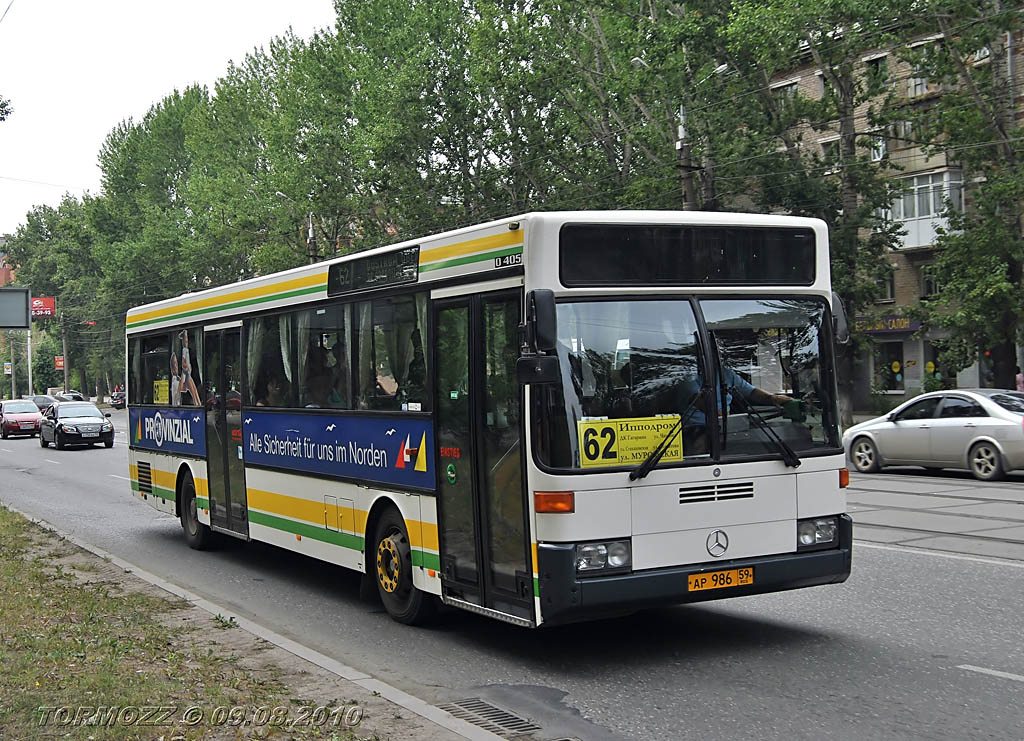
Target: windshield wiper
655,455
789,456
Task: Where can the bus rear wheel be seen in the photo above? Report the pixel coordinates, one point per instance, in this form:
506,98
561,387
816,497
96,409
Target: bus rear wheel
392,566
197,535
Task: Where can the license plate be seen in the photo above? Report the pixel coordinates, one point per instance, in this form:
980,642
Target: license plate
90,434
27,425
720,579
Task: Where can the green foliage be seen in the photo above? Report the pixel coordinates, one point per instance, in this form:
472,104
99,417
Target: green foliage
411,117
5,109
980,257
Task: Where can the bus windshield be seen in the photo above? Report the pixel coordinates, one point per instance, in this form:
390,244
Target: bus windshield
643,361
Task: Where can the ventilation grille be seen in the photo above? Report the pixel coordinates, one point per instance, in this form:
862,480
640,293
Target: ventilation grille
145,479
490,718
716,492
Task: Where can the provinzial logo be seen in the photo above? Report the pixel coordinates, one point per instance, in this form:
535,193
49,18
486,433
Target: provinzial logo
173,429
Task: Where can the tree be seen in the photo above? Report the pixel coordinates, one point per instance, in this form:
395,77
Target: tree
974,122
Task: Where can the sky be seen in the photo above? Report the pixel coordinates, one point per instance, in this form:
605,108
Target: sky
73,70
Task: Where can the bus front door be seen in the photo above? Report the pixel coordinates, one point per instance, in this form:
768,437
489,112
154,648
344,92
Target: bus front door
482,528
226,472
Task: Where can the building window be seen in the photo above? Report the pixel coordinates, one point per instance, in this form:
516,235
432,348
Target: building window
935,376
877,71
830,155
925,195
888,366
877,146
888,288
903,135
785,90
930,287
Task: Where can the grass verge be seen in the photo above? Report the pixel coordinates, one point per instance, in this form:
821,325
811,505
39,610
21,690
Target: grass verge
84,656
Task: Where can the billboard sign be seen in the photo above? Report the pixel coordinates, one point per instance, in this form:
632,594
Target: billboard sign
44,306
14,310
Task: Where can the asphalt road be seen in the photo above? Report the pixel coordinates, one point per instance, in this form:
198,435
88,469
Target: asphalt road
917,644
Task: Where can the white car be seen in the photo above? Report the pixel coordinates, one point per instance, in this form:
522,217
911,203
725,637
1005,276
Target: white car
981,430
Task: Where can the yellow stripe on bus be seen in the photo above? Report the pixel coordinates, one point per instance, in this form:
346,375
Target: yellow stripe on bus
422,535
229,298
163,479
459,249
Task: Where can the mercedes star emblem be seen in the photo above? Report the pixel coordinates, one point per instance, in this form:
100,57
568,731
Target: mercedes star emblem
718,543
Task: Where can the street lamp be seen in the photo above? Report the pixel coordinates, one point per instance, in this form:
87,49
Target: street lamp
685,157
311,251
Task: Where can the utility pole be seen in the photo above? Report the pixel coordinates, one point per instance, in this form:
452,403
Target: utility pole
311,242
64,349
686,163
14,386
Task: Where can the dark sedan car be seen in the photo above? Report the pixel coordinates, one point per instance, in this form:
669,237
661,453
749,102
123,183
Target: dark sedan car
69,396
75,423
19,417
43,401
117,400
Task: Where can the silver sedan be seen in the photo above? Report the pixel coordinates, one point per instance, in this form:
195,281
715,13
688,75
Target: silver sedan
981,430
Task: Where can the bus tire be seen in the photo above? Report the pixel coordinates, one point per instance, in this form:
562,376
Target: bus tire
197,535
392,570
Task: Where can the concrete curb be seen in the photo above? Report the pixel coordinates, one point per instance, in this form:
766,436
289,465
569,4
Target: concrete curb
393,694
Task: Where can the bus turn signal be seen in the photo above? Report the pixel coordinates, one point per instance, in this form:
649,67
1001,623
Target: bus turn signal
844,478
554,501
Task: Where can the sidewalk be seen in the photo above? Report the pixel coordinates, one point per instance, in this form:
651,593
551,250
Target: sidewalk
946,513
221,674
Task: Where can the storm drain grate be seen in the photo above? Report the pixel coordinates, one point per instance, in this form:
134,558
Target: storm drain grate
145,478
490,718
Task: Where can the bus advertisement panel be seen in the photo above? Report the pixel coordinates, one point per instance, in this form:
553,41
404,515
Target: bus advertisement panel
386,450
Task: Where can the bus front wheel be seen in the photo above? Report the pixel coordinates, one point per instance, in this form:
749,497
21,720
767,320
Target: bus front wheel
197,535
392,566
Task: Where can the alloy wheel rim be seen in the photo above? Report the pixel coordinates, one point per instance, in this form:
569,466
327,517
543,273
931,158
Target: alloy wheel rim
984,461
863,455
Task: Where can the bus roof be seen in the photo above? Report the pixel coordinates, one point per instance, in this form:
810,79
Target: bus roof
467,251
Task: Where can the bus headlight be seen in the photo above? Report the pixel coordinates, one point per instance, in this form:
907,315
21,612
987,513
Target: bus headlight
604,557
817,532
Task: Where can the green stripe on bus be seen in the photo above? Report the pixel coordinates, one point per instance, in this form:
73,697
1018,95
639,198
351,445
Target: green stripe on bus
225,307
156,491
536,587
455,262
333,537
202,503
426,559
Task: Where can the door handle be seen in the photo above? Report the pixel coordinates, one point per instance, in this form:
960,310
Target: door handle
969,424
924,427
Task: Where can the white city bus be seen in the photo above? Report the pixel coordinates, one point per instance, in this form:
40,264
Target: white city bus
541,419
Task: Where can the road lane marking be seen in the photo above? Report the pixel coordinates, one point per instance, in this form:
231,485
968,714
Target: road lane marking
6,450
51,461
941,554
123,478
992,672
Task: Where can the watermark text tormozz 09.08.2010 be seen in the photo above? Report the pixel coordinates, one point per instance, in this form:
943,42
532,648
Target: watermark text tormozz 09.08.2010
240,716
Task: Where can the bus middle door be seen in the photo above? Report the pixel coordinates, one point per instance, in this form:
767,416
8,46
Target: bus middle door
482,528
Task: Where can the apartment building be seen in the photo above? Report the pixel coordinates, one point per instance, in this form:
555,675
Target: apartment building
903,359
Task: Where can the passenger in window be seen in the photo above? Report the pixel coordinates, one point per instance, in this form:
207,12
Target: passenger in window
274,393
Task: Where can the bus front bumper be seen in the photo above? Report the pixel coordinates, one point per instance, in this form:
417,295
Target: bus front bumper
566,598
